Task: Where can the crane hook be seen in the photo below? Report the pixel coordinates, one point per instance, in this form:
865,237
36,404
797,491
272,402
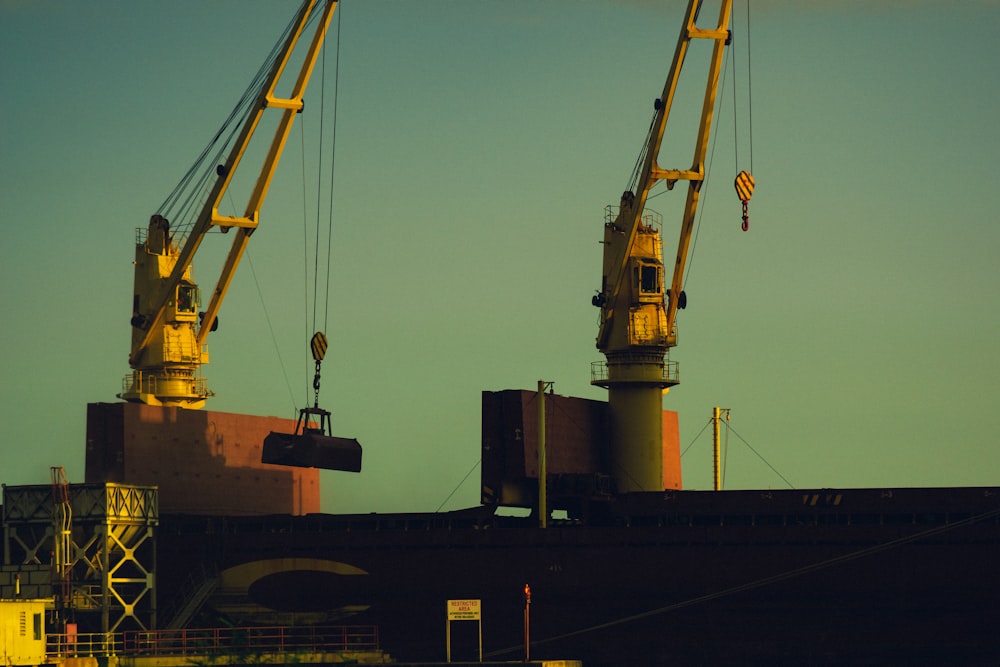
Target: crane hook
744,190
318,345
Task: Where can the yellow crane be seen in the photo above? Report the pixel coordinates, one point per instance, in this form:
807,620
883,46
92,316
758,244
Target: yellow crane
169,327
638,311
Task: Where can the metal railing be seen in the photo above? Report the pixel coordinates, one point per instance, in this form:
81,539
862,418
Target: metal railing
652,220
668,374
146,383
215,641
85,644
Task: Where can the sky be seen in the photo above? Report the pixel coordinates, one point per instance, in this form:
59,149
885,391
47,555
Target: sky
851,331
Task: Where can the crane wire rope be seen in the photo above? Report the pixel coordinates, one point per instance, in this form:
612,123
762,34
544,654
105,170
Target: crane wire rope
333,168
270,328
267,315
319,178
305,245
736,124
640,160
305,239
749,91
749,85
319,190
311,314
181,200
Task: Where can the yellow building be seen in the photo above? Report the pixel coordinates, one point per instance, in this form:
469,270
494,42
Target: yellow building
22,631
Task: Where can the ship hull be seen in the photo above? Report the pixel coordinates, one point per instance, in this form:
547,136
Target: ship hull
822,576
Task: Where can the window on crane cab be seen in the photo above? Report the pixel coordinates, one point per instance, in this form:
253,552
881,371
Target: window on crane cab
647,280
187,301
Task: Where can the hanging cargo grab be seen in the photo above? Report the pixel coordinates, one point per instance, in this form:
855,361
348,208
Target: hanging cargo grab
312,445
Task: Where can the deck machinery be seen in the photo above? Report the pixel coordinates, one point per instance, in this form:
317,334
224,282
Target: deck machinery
637,323
169,331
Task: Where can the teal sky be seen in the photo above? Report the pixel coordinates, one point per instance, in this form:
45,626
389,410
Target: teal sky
852,331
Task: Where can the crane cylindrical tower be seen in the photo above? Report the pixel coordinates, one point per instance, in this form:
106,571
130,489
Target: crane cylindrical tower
636,371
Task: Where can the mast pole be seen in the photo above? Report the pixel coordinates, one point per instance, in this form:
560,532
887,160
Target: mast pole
543,503
717,476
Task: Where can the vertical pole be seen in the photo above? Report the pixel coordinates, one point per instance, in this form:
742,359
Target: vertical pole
447,639
527,623
105,566
715,449
543,509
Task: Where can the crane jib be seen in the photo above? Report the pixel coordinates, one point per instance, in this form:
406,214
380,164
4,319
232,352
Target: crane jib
168,345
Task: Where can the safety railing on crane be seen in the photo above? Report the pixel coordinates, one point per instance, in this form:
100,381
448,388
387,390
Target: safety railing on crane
669,373
650,221
146,383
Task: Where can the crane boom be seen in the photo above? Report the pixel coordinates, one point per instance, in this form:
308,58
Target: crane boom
630,213
637,322
169,334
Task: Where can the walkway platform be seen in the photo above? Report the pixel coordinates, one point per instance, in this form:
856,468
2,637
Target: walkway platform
347,657
230,647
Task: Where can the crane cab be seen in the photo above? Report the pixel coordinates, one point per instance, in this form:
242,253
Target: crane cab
186,302
167,370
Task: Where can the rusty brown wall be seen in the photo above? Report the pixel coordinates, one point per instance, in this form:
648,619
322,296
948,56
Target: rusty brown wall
671,451
203,462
